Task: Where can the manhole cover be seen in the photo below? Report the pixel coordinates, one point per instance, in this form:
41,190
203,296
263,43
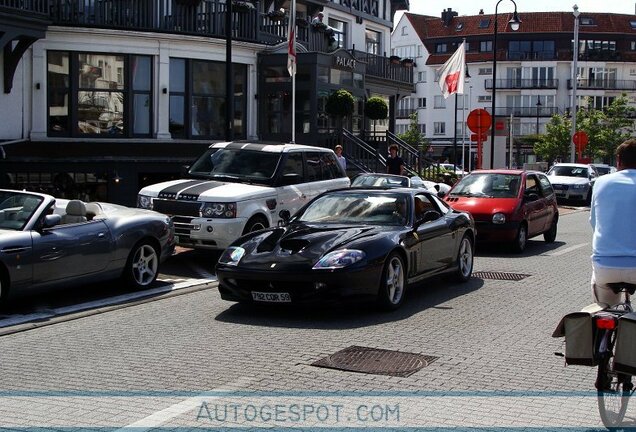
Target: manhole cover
500,275
376,361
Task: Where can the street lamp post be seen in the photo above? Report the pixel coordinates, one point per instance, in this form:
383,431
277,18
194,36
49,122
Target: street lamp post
515,22
575,76
538,109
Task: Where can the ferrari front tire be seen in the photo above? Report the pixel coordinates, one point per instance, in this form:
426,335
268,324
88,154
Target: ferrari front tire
392,283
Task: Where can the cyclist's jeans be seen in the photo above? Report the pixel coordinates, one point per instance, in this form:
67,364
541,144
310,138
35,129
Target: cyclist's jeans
604,275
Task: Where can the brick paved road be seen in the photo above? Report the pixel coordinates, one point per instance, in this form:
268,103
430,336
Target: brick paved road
151,365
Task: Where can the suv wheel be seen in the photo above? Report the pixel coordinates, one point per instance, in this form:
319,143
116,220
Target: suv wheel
254,224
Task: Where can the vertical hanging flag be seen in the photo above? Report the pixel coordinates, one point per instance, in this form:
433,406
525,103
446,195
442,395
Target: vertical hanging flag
291,39
451,74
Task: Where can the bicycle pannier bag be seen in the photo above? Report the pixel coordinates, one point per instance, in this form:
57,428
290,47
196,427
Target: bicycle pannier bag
579,339
625,353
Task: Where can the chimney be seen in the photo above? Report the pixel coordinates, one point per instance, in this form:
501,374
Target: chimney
447,16
481,11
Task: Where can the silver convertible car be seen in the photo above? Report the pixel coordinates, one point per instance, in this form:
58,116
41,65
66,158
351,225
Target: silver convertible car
47,242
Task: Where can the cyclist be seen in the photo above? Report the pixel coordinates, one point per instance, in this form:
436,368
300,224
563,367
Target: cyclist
614,238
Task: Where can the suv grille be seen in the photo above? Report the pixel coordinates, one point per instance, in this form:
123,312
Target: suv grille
179,208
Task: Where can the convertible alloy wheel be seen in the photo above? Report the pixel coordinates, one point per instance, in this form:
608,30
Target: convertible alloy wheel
392,283
465,258
143,266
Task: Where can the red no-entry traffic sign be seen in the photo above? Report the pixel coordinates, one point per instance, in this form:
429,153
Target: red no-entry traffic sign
479,120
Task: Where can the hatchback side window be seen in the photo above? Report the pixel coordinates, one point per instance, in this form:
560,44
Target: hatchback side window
532,186
546,186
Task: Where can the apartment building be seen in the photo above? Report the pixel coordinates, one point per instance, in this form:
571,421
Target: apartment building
534,74
102,97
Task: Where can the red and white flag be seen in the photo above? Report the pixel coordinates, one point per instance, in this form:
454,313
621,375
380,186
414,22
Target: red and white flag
451,74
291,39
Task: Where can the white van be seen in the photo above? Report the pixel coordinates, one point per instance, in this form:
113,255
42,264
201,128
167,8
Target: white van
238,187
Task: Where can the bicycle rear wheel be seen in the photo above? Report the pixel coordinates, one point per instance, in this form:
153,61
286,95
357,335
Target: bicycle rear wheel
613,391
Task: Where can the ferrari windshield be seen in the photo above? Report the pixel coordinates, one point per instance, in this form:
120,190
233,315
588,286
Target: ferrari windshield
16,209
358,208
236,165
488,185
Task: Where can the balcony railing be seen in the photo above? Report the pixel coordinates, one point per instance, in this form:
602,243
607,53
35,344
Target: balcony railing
523,84
537,55
28,7
404,112
381,67
604,84
525,111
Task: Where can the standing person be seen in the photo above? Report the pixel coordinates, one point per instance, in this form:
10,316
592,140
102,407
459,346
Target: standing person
614,237
394,163
341,158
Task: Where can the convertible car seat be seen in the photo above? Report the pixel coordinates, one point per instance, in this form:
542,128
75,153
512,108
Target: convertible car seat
75,212
92,210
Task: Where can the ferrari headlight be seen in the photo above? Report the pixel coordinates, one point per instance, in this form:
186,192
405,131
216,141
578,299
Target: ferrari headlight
144,202
232,255
499,218
340,258
218,210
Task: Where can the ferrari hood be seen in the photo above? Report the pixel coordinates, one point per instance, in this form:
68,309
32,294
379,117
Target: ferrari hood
300,244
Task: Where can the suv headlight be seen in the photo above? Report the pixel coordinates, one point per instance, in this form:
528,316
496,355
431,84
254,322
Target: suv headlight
339,259
219,210
144,202
499,218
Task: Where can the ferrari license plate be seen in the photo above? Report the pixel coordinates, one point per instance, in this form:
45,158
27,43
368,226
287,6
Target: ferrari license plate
271,297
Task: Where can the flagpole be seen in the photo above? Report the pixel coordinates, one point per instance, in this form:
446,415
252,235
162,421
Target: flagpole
455,136
292,42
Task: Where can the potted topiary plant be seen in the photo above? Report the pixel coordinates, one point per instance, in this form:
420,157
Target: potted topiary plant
242,6
394,59
339,105
276,15
407,62
376,109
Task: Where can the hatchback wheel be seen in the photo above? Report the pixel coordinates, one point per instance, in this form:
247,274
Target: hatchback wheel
550,235
521,240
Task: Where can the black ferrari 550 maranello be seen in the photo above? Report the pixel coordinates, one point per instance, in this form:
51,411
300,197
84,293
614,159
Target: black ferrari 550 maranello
365,243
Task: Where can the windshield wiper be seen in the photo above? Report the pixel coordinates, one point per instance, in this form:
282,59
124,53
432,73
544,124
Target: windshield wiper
225,176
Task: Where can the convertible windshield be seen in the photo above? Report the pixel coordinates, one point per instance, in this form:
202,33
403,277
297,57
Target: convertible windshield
16,209
488,185
236,165
568,171
362,208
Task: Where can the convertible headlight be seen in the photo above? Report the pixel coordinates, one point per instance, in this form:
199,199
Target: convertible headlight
144,202
499,218
340,258
219,210
232,255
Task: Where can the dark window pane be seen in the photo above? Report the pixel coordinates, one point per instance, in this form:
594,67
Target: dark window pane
208,78
177,75
101,71
208,116
141,114
141,69
100,112
177,120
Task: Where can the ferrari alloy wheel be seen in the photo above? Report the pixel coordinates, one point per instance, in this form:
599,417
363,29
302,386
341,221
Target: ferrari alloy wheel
392,284
142,267
521,240
465,257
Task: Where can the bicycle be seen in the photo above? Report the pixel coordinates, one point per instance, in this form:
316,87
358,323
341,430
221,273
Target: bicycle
613,388
591,340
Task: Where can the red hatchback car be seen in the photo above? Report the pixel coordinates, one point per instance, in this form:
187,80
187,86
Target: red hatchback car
508,205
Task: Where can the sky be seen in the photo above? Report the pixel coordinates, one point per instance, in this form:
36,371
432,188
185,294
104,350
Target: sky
469,7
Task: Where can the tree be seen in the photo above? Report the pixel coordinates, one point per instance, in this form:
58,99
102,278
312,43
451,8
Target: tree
413,136
339,105
555,143
376,109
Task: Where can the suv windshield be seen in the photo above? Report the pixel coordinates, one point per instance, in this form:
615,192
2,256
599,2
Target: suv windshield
236,165
488,185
